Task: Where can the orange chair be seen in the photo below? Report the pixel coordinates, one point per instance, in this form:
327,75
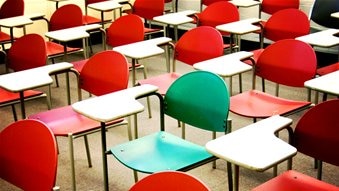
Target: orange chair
218,13
28,155
27,52
103,73
10,8
286,62
170,181
147,9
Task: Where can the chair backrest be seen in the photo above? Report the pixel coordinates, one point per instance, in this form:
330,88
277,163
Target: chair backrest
170,181
272,6
209,2
105,72
148,9
125,30
28,155
218,13
286,23
12,8
198,44
321,13
67,16
28,51
287,62
316,133
200,99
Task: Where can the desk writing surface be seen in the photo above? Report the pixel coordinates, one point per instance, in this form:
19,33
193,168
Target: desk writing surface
323,38
177,18
335,15
31,78
69,34
226,65
245,3
114,105
328,83
105,5
254,146
240,27
15,21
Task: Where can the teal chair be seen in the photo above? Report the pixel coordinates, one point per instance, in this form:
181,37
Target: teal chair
199,99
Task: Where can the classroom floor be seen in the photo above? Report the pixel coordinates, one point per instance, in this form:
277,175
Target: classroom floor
120,177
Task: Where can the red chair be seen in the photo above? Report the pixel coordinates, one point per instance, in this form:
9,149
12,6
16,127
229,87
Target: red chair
207,3
272,6
293,180
10,8
103,73
170,181
286,62
27,52
147,9
28,155
88,19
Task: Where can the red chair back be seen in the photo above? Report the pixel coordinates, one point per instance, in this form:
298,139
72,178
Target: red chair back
66,16
317,131
272,6
287,23
169,181
28,155
209,2
199,44
148,9
87,2
12,8
28,51
125,30
113,75
288,62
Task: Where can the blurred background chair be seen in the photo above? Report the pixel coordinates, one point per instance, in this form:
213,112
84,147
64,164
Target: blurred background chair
103,73
204,3
28,51
286,62
199,99
269,7
170,181
28,155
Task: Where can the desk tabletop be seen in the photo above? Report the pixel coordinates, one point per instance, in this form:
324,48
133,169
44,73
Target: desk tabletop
69,34
245,3
177,18
255,146
143,49
106,5
114,105
31,78
240,27
328,83
335,15
323,38
15,21
226,65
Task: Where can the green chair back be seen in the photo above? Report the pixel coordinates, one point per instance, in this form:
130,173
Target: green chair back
200,99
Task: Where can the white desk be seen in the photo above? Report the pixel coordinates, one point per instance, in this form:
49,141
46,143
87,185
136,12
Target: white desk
112,106
227,65
141,50
325,38
335,15
175,19
106,6
12,22
245,3
239,28
255,146
328,84
30,79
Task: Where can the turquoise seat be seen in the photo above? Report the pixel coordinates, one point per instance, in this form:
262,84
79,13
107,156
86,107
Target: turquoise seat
199,99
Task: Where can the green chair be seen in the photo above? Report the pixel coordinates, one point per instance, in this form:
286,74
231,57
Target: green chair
199,99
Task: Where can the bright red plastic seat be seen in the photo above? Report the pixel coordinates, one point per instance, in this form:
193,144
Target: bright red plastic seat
272,6
286,62
170,181
207,3
28,155
103,73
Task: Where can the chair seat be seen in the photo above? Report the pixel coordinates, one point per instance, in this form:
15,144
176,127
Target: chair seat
7,96
4,37
65,120
257,104
328,69
162,81
151,30
170,153
292,180
55,49
86,19
256,54
78,65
